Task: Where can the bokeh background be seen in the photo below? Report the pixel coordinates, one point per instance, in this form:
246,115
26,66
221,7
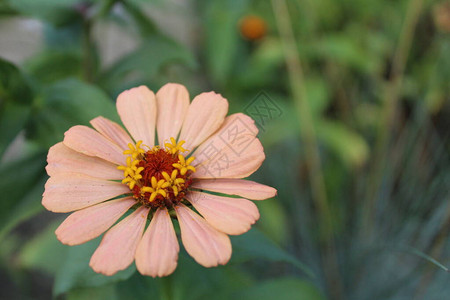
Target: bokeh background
352,101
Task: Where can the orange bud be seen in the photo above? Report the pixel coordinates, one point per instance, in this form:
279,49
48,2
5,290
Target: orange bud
253,27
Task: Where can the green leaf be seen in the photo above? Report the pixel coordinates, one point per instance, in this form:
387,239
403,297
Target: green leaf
43,252
146,27
18,180
426,257
273,220
67,103
281,289
155,53
15,103
255,244
50,66
13,118
23,209
345,50
348,145
76,273
13,86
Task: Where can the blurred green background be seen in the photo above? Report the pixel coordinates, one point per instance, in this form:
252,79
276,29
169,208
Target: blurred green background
352,101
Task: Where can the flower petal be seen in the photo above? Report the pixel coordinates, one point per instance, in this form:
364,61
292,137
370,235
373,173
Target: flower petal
205,244
89,142
157,252
219,159
236,133
113,131
137,109
244,188
172,102
232,152
118,246
62,159
230,215
204,116
237,124
72,191
88,223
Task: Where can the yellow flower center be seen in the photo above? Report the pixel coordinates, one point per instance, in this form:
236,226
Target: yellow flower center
158,177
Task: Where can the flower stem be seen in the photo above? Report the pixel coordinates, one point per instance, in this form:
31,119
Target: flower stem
299,94
166,288
309,138
389,109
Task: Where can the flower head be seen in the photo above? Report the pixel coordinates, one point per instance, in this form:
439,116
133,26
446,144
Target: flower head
99,174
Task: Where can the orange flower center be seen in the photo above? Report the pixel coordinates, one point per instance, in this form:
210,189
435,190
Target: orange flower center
159,176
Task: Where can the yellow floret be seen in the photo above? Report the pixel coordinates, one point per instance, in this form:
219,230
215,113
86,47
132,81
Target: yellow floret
157,188
134,151
174,147
184,165
131,171
174,182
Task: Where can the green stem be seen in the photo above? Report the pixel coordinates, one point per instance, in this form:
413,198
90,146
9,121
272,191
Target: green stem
309,138
166,288
389,110
299,94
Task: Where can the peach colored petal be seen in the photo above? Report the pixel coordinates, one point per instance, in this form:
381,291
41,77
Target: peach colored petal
204,116
89,142
238,123
113,131
88,223
172,102
230,215
240,187
62,159
219,159
235,133
232,152
118,246
208,246
67,192
157,252
137,109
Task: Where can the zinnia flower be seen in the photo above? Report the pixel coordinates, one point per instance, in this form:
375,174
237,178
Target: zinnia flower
104,172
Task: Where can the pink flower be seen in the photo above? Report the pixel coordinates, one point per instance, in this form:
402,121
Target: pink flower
100,174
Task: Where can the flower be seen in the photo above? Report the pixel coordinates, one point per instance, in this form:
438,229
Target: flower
103,173
253,27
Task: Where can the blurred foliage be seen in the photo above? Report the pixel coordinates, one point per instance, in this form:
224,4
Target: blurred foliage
347,51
